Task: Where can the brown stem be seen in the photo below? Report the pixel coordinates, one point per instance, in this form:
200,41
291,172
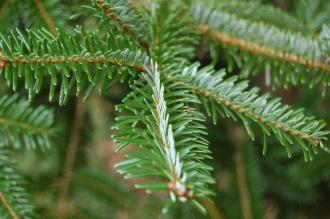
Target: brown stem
239,137
212,210
10,210
44,14
4,8
69,59
70,156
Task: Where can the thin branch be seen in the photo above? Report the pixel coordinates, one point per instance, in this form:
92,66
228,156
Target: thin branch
69,59
125,27
256,49
165,135
257,117
22,125
4,8
212,210
70,157
239,136
44,14
249,113
10,210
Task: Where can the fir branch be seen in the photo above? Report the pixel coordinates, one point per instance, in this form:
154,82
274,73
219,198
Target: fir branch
118,12
76,57
312,14
257,49
14,200
23,126
259,12
73,59
171,49
246,104
163,136
256,116
287,57
174,39
241,109
44,14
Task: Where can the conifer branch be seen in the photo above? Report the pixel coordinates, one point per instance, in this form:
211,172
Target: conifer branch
108,7
237,107
164,139
259,12
46,17
256,49
257,117
285,57
162,117
170,49
14,200
227,102
165,135
208,75
268,113
73,58
23,126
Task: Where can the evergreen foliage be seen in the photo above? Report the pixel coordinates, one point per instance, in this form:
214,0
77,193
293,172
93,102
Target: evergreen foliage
13,197
20,127
24,127
286,57
163,64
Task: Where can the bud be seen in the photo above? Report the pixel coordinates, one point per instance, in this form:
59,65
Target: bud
180,193
318,143
170,185
3,64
